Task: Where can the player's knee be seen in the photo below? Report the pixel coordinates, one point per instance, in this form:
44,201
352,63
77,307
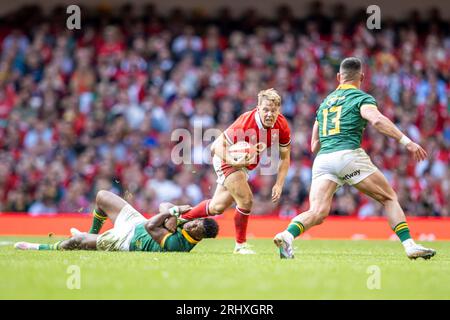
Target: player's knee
246,202
217,208
102,197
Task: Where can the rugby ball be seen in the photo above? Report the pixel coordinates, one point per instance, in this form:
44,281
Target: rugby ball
241,149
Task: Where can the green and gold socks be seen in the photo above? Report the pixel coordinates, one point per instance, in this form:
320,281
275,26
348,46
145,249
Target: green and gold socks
99,219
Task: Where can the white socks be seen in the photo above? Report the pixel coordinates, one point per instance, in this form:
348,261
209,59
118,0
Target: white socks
408,243
288,235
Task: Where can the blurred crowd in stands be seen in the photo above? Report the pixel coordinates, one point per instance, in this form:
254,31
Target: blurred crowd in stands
92,109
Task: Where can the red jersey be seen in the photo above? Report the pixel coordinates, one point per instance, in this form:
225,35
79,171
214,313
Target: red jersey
249,127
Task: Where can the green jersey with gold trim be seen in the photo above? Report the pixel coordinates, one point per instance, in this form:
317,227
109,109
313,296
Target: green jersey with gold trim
179,241
341,125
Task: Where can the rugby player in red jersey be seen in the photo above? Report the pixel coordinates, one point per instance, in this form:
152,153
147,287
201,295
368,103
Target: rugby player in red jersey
263,127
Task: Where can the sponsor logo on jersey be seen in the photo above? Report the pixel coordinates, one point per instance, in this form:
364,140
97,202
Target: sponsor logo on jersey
334,99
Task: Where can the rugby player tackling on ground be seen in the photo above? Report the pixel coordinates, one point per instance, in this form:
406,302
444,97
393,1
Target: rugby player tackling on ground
132,231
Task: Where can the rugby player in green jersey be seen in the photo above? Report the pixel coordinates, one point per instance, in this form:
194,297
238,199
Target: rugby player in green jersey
336,138
132,231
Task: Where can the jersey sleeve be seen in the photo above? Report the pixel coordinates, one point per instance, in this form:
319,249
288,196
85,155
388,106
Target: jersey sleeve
285,134
172,243
232,132
176,242
366,99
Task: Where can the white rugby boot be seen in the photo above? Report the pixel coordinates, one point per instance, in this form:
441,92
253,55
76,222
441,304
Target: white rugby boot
75,232
283,241
243,248
414,250
26,246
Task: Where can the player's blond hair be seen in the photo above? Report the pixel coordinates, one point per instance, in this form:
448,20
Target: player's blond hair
271,95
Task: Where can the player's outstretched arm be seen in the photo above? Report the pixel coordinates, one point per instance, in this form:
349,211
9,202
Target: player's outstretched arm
315,142
386,127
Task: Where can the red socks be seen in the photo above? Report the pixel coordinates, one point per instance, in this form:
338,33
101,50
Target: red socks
240,224
199,211
240,218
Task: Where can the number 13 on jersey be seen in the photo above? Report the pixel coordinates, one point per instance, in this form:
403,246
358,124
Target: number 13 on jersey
335,115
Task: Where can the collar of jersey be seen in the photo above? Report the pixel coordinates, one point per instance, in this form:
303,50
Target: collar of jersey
346,86
259,122
188,237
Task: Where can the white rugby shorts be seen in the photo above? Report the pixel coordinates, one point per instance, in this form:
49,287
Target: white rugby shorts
119,237
345,166
223,170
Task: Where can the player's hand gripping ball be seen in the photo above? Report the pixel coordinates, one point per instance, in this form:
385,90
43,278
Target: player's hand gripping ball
243,149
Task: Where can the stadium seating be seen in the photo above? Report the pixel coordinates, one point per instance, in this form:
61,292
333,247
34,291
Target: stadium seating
94,109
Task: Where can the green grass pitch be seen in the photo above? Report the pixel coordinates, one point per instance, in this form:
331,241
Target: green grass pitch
322,269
